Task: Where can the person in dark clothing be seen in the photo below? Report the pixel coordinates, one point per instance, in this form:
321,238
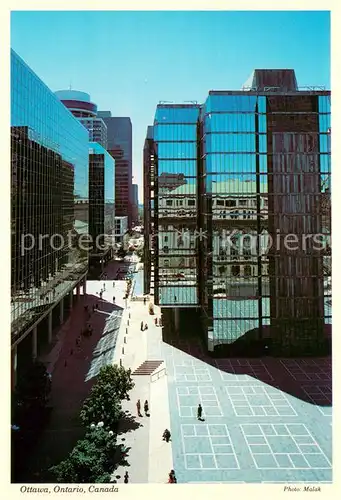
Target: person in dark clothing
126,477
166,435
144,300
199,411
146,407
146,326
138,407
172,478
155,321
114,299
142,326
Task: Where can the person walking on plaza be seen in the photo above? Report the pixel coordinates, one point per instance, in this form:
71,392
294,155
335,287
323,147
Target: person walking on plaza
199,411
113,284
142,328
155,320
100,294
114,299
144,300
126,477
138,407
172,478
166,435
104,287
146,408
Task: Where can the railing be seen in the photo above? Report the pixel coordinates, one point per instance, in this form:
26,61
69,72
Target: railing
158,374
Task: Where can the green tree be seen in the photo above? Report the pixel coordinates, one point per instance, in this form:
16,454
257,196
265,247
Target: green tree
104,402
102,405
91,461
119,377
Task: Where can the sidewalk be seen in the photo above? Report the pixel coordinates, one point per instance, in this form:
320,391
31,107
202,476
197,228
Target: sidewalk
150,457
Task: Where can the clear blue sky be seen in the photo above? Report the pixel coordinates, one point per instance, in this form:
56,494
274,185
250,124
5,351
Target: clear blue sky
129,61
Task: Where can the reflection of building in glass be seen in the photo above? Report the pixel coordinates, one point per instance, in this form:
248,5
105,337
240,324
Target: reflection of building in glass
256,166
49,168
101,203
120,148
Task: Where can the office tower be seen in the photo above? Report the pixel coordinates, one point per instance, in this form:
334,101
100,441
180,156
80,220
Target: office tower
150,209
49,169
120,147
121,228
135,205
101,204
81,107
255,166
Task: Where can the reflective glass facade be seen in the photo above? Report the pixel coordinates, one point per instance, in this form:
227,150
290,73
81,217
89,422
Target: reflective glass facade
246,179
175,136
101,193
49,169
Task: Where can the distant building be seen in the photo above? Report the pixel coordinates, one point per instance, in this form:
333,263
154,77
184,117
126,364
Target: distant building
135,205
101,204
82,108
121,228
119,133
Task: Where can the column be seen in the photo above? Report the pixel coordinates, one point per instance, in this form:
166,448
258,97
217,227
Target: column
84,286
61,314
34,344
14,367
177,319
50,327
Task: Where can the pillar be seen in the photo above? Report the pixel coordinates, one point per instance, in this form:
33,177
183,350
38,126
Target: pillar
177,319
14,367
50,327
34,344
61,314
84,287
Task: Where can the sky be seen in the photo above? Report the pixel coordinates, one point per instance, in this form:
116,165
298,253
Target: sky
130,61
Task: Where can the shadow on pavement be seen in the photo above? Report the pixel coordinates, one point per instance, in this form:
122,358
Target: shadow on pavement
308,378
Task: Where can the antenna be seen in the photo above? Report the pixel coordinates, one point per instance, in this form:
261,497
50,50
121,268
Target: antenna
70,85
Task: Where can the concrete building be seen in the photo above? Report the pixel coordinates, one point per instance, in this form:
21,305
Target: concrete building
81,107
227,184
120,147
49,169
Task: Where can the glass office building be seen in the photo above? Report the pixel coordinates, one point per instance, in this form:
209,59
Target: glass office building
101,199
261,190
49,169
175,136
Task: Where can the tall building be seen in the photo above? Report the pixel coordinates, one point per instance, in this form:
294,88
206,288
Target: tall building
242,240
120,147
101,204
49,169
135,204
86,111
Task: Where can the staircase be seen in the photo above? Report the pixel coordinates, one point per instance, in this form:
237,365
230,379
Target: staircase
147,368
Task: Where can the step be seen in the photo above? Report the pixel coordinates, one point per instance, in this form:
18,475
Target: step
147,367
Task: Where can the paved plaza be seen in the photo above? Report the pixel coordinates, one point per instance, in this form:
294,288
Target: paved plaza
252,429
264,420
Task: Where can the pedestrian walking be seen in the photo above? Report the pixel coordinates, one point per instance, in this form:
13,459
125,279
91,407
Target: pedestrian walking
100,294
146,408
113,284
114,299
171,477
199,411
144,300
138,407
142,328
145,326
103,287
126,477
155,320
166,435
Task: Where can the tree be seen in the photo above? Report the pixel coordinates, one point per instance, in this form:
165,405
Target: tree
91,461
119,377
104,402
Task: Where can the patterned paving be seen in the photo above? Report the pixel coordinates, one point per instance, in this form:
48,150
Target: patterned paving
264,420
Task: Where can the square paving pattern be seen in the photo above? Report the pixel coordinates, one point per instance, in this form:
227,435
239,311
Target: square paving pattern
264,420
